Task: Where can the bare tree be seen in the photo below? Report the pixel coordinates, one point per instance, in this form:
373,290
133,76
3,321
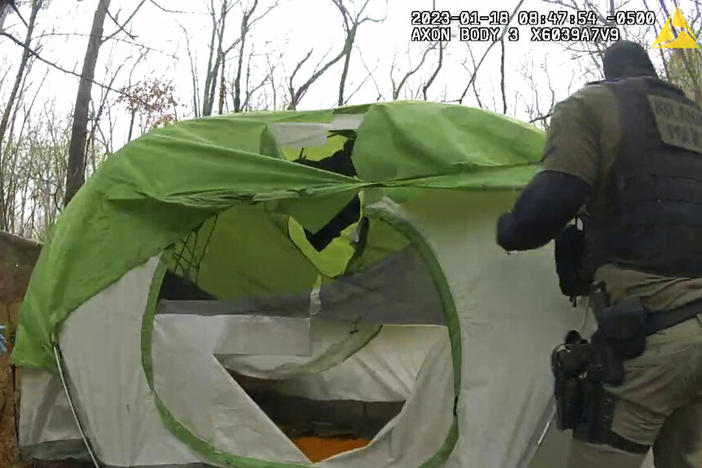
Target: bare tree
215,84
351,24
474,74
351,21
435,73
274,86
245,18
6,7
398,85
34,53
95,132
251,89
542,96
193,73
678,65
217,51
131,96
76,151
247,22
35,6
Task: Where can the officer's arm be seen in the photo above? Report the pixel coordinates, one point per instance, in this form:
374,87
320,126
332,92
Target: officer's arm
544,207
554,196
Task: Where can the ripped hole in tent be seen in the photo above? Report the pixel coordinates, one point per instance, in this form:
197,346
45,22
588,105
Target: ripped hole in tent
321,346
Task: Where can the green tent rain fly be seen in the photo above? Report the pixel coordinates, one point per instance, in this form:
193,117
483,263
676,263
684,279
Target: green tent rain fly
182,316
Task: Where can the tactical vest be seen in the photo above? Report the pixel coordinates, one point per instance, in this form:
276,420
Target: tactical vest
653,221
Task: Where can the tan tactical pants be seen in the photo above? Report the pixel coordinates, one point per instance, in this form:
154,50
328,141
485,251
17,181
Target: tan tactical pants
659,405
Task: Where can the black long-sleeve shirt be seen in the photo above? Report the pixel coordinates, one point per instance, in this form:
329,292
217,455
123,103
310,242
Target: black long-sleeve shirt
547,203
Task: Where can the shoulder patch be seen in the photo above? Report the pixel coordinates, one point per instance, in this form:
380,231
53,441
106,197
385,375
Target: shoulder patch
679,124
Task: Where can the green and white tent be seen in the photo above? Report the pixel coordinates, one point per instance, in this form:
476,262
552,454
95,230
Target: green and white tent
412,324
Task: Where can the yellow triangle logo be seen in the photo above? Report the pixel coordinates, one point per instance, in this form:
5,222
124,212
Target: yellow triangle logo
666,38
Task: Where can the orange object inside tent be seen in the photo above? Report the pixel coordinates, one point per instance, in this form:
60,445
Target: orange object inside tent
319,448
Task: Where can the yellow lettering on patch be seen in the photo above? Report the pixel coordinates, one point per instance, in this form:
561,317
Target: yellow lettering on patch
679,124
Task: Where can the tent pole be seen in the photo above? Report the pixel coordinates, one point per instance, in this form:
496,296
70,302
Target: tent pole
73,409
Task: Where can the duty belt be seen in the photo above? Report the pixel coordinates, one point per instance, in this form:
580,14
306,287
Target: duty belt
660,320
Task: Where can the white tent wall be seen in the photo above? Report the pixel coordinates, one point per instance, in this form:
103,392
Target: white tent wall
47,429
203,397
511,315
101,347
420,429
384,370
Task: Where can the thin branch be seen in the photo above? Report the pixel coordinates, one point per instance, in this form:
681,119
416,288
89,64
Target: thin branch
292,76
118,39
360,85
370,73
663,59
177,12
431,79
475,88
541,117
396,90
60,68
244,30
482,59
121,27
502,74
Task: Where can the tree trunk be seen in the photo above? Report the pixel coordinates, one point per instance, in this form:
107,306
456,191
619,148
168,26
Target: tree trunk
4,10
206,105
342,82
76,149
222,86
36,4
242,47
131,125
237,79
213,71
348,46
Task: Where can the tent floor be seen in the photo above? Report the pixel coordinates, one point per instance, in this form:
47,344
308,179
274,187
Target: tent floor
320,448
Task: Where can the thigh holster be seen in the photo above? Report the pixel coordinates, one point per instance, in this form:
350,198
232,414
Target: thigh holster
595,425
569,362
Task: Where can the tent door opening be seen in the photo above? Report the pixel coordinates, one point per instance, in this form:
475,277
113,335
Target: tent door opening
328,366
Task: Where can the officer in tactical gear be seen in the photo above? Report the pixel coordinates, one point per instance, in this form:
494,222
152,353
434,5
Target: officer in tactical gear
625,154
